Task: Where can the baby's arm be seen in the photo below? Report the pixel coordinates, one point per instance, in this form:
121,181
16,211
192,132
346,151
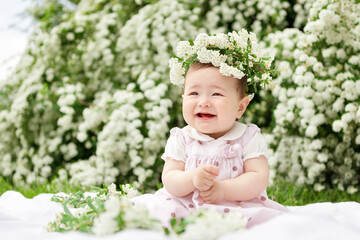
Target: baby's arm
179,182
250,184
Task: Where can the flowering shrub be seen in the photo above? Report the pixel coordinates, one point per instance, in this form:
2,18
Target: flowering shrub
258,16
110,211
317,131
302,10
72,111
149,38
123,151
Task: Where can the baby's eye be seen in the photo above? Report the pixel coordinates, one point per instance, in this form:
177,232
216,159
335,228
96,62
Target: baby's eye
193,94
217,94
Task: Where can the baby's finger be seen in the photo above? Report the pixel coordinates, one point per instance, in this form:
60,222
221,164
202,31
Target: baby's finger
205,185
212,169
204,188
208,183
204,194
207,199
207,192
209,176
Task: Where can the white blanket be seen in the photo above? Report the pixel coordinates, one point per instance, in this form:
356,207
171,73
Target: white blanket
23,218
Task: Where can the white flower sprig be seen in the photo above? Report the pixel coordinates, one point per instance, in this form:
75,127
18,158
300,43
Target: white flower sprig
109,211
208,224
236,53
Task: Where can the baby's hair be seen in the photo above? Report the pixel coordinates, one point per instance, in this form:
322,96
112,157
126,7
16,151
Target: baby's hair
241,86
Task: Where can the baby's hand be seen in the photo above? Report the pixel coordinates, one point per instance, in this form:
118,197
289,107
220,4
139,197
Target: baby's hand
204,176
214,194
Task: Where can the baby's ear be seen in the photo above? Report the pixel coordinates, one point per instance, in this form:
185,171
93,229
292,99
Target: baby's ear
243,103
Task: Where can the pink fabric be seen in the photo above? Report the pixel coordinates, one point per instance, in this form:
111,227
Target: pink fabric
228,156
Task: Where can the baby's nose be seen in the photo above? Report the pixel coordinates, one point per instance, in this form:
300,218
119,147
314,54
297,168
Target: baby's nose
204,102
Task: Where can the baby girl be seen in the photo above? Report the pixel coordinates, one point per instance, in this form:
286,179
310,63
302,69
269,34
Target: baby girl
215,161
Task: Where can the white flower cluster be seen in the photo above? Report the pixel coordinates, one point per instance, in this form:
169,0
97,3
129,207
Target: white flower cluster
133,216
50,227
211,225
260,16
228,70
302,9
326,19
130,191
109,211
147,39
317,117
236,54
106,222
138,216
119,139
177,71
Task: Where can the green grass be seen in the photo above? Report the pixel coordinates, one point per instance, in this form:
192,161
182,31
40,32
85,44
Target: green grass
292,195
32,190
284,193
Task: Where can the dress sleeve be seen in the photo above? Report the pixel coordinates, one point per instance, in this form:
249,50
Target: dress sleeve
255,147
175,146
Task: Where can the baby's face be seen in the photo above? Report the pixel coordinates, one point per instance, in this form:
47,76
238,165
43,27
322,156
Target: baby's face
211,102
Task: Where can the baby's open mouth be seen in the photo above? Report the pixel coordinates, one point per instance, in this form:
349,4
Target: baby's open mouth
205,115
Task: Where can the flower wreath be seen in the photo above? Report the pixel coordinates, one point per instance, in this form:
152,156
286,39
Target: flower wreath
236,54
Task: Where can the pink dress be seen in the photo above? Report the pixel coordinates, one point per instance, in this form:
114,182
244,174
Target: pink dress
229,153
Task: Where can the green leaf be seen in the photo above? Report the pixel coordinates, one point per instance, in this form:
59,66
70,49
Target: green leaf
189,61
96,188
241,67
66,219
180,229
88,201
255,89
66,201
63,230
121,222
266,58
262,67
56,199
67,211
79,194
167,231
85,228
173,222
